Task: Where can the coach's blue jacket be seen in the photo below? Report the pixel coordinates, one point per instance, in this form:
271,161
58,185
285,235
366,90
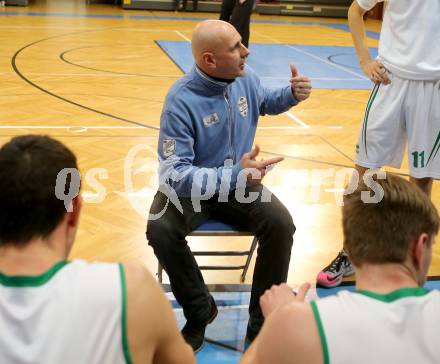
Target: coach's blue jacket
206,126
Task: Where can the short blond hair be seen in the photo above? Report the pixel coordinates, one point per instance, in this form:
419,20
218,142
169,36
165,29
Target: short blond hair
382,232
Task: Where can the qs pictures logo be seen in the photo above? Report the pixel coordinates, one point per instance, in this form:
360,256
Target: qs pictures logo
140,177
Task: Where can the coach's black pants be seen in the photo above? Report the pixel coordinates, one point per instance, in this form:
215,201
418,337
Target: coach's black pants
270,221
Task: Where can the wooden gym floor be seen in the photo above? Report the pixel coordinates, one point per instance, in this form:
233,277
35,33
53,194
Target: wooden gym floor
93,77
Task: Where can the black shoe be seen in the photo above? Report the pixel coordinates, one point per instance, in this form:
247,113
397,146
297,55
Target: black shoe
194,333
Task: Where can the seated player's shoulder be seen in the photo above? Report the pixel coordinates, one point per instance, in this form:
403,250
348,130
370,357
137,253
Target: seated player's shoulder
288,340
137,275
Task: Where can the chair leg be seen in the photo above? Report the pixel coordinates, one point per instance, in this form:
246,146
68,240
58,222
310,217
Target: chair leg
248,260
159,273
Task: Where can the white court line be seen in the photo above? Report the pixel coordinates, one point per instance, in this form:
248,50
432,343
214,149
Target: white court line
313,56
219,307
81,128
142,30
153,30
183,36
320,78
93,74
297,120
327,62
280,127
67,127
44,27
293,127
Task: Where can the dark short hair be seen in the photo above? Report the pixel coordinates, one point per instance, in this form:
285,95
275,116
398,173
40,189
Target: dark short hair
29,208
382,232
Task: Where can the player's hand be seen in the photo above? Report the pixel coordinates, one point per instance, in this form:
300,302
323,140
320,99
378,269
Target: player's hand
375,71
278,296
301,85
258,169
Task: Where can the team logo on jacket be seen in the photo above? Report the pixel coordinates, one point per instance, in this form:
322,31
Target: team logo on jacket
168,147
210,120
243,106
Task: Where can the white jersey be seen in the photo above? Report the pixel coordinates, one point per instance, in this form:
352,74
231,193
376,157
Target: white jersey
409,43
72,314
361,327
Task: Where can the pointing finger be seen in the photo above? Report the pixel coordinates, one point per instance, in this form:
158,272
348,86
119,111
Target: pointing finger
303,289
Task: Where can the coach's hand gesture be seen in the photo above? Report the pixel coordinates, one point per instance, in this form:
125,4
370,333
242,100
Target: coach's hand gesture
257,169
301,85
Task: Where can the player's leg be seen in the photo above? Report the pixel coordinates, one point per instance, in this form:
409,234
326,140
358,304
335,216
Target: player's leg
423,126
381,142
425,184
226,10
241,18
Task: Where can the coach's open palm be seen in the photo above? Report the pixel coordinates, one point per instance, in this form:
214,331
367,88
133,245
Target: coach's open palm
257,169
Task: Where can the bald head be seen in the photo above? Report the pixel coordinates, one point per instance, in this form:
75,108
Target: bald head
217,49
209,35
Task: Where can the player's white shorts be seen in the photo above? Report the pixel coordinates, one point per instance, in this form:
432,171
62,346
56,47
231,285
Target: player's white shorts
403,110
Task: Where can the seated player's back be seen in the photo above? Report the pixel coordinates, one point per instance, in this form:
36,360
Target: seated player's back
79,312
73,313
53,311
366,327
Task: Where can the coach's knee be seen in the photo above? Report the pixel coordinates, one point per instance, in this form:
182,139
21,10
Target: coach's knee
159,233
280,223
284,224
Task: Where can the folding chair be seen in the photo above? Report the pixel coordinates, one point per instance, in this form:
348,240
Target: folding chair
217,228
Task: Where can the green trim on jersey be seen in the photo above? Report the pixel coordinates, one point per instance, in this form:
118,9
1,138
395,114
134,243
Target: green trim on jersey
31,281
324,345
367,113
434,148
395,295
125,347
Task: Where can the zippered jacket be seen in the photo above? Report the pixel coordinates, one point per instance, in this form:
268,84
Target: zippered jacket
206,126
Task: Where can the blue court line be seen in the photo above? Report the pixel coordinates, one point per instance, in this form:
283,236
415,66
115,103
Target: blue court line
338,26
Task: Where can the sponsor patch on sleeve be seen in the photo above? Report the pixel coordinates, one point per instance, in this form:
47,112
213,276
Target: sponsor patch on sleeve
169,147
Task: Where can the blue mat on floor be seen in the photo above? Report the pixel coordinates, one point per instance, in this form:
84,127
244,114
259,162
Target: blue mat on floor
329,67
